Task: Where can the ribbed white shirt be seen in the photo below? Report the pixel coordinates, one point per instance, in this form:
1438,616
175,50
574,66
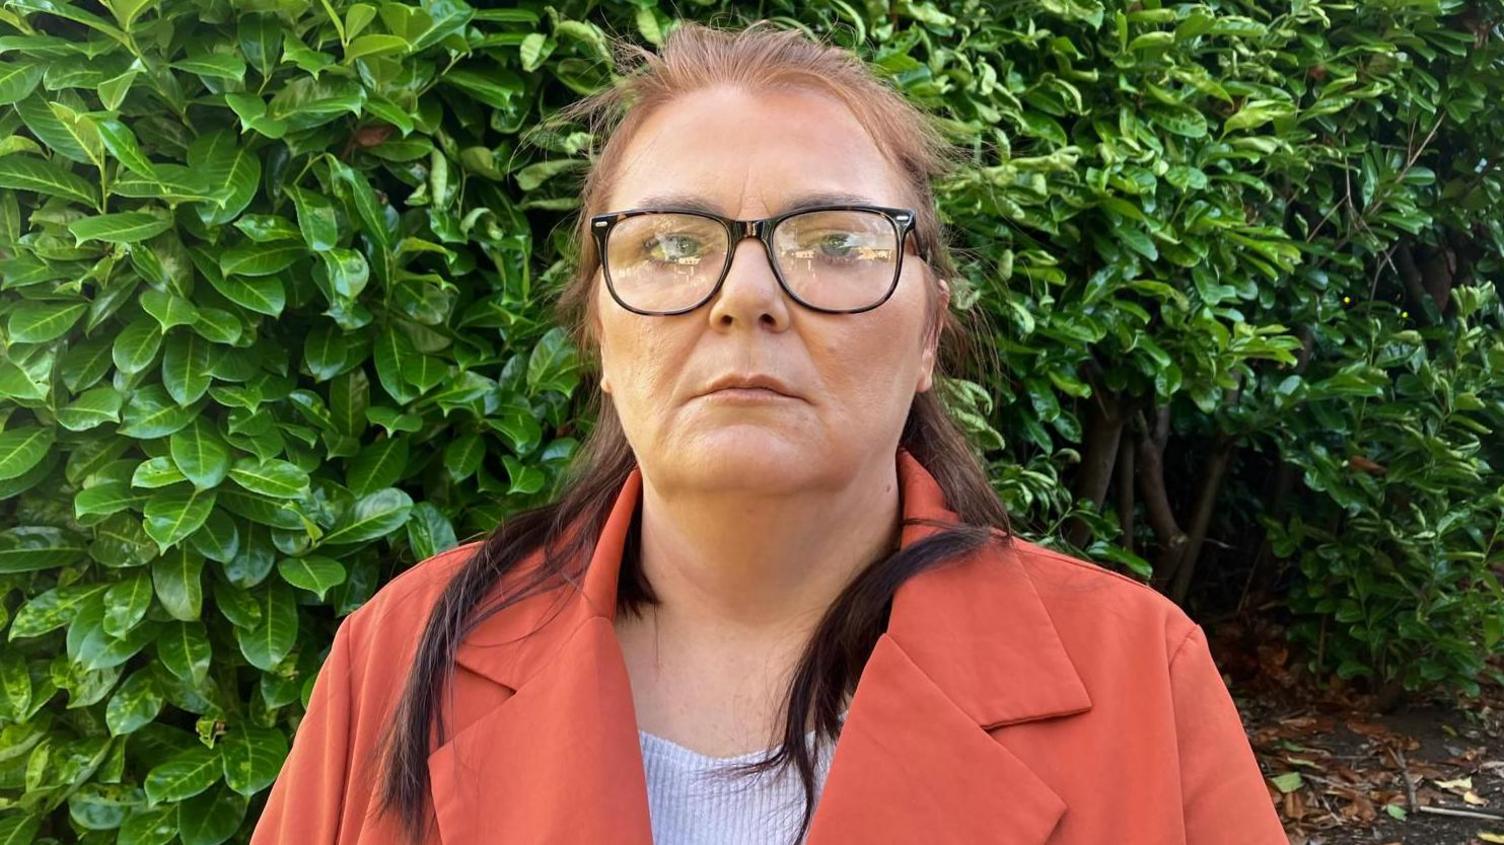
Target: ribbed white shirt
690,807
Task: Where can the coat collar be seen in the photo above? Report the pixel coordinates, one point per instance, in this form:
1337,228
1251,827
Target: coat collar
969,648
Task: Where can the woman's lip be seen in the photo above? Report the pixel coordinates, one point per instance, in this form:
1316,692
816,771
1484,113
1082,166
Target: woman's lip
746,394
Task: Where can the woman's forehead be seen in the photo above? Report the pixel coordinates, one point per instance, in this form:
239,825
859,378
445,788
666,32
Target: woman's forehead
771,150
800,198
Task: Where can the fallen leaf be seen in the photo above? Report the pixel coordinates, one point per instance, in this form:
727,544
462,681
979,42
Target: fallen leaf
1287,782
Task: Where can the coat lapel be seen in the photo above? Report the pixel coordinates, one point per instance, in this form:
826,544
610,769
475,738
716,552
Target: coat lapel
969,649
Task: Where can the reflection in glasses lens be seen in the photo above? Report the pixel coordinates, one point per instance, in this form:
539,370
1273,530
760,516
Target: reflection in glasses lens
832,259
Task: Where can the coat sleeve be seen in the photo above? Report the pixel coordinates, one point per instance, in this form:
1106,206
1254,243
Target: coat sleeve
1225,800
307,799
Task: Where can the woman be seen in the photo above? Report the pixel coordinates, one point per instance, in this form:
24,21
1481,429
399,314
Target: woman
776,556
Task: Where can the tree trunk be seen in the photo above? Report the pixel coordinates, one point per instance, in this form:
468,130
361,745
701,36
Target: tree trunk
1104,430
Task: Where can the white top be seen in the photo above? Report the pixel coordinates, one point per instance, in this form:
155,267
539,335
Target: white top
690,807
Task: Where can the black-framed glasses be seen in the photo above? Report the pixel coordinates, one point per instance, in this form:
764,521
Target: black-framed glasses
838,259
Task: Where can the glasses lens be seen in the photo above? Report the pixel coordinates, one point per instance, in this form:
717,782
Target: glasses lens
837,259
665,261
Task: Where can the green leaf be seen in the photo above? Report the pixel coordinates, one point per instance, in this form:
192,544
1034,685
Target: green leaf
463,455
151,412
17,81
266,645
253,259
25,173
526,480
19,828
90,409
169,309
271,477
123,228
305,103
347,272
264,228
374,45
122,144
231,168
33,548
534,50
23,448
554,364
1185,122
363,198
134,705
184,775
314,573
200,454
316,219
261,41
374,515
92,648
44,123
105,498
379,465
491,86
357,17
187,361
210,818
52,609
1287,782
178,579
252,757
126,603
325,350
184,650
214,65
136,346
79,127
39,322
112,91
173,514
393,353
15,687
264,295
126,11
429,531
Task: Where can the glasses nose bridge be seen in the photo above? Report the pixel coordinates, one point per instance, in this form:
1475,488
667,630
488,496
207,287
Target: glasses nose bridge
743,229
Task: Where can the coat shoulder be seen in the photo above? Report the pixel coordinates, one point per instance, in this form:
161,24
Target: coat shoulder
401,606
1092,601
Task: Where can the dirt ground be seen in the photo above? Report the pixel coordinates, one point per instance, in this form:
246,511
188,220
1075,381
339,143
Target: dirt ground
1337,769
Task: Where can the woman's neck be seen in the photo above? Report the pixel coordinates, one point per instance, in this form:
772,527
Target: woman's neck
742,583
738,567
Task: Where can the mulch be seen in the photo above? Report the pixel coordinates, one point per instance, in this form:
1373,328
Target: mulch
1431,772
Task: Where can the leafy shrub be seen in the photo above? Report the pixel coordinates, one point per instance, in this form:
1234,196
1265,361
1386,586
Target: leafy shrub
275,279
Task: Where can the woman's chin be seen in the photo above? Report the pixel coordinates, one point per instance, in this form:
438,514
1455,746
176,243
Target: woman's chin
748,454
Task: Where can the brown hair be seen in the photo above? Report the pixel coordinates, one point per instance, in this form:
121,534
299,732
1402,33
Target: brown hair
693,57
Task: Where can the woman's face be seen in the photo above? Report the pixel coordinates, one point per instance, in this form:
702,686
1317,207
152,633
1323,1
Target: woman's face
752,155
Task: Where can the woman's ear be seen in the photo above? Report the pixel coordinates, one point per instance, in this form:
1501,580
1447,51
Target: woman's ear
605,381
927,358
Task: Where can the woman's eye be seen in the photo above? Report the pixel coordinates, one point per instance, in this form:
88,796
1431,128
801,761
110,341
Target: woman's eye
839,245
674,249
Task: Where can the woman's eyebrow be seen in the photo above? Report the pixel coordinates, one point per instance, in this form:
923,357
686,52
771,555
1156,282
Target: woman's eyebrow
697,203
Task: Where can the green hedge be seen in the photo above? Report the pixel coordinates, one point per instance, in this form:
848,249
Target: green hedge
275,286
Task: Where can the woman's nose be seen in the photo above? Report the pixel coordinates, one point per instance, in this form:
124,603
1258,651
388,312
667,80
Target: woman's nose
750,292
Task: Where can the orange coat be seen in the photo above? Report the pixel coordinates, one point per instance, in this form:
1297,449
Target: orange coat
1018,696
